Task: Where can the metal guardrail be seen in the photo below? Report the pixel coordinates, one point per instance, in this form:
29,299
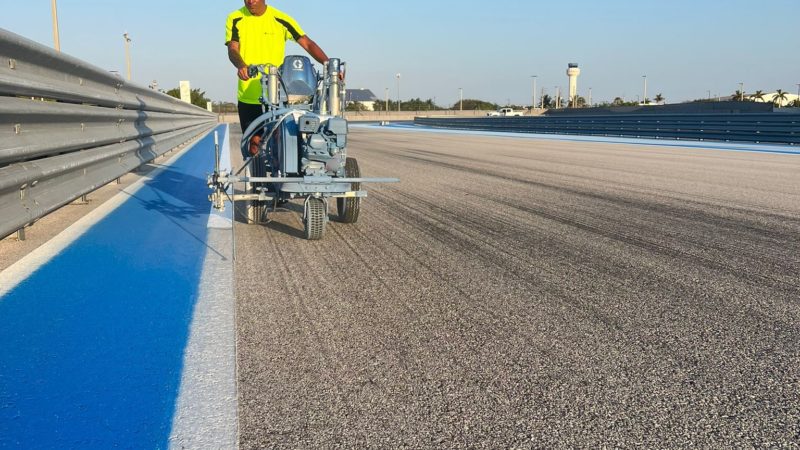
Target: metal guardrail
775,128
68,128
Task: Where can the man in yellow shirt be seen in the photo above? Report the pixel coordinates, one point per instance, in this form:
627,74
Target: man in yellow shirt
257,34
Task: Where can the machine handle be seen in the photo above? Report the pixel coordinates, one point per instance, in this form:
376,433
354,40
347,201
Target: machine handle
253,70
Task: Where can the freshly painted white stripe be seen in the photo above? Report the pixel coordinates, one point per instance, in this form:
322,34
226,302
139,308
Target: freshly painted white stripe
25,267
217,221
206,409
206,412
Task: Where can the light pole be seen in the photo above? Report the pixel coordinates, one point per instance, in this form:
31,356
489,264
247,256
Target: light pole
558,95
387,101
127,53
461,99
590,97
533,104
709,95
398,92
741,92
644,99
56,40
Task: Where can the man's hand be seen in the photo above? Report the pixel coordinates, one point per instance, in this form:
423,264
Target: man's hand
243,74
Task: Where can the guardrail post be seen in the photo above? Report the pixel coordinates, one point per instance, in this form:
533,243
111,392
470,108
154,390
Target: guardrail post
21,234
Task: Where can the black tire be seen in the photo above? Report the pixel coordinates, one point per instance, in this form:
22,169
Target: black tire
348,208
316,216
259,210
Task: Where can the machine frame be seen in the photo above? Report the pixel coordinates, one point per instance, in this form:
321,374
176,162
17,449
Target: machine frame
302,151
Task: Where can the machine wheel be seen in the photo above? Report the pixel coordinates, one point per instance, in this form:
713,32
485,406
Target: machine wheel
348,208
316,215
257,212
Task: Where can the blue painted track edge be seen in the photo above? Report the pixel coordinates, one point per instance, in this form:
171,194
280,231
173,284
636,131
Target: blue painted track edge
98,364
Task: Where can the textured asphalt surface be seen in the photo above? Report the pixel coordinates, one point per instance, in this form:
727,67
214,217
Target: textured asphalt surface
516,293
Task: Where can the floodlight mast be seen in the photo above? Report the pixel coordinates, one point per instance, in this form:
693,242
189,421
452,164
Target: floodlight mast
56,39
127,40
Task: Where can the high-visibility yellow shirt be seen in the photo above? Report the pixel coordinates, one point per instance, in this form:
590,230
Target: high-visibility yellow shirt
262,40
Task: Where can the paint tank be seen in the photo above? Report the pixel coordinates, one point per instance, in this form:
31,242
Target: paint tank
299,76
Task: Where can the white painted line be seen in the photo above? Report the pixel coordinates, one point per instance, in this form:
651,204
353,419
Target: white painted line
217,221
25,267
206,411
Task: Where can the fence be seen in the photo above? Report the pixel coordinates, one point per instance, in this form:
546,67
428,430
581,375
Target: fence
68,128
395,116
777,128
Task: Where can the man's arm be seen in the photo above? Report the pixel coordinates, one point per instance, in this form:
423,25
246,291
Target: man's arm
236,59
313,49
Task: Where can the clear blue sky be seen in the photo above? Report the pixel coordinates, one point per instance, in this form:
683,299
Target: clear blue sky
489,48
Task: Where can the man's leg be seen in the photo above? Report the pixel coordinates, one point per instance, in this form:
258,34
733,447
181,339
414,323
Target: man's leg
247,114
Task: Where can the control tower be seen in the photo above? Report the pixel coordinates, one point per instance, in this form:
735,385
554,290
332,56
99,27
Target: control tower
572,72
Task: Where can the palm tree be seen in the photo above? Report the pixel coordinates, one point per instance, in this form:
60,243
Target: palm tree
759,95
779,98
659,98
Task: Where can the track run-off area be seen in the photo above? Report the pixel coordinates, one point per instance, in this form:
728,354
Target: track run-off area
510,292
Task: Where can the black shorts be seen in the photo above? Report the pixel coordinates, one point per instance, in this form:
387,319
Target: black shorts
248,113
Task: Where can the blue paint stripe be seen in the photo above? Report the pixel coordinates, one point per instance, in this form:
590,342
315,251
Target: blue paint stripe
702,145
93,342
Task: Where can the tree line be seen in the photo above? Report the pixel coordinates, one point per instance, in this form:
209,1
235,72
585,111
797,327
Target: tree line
198,98
780,97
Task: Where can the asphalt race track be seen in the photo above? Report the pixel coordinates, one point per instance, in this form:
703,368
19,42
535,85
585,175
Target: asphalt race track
524,293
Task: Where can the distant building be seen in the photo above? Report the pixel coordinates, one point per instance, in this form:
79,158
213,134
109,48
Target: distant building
363,96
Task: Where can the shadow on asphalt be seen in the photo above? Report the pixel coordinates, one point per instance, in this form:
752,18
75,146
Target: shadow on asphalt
277,219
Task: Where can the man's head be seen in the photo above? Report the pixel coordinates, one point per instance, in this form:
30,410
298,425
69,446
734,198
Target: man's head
256,7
